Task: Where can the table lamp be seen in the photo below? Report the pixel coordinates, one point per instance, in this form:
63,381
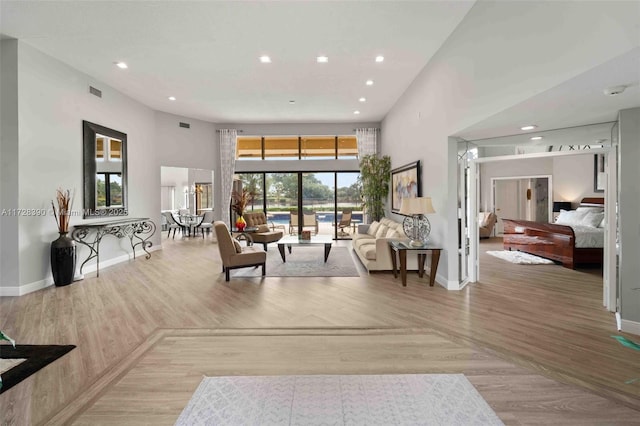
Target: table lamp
416,226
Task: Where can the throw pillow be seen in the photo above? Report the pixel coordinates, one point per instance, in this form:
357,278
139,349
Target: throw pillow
263,228
237,245
373,228
392,233
382,231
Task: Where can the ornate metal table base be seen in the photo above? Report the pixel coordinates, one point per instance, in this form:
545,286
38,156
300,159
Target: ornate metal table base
138,230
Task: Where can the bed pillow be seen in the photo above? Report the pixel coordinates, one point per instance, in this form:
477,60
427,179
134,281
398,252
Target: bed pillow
601,223
594,209
592,219
570,217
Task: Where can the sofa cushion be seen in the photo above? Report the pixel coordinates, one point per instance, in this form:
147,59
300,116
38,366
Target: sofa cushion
362,241
357,237
373,228
369,251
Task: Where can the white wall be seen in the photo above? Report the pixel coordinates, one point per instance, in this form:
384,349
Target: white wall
458,87
9,186
573,178
512,168
197,147
53,100
629,193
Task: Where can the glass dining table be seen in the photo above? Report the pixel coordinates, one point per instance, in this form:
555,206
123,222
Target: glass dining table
189,222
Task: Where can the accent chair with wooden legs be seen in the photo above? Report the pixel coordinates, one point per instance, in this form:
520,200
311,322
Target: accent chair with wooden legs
234,255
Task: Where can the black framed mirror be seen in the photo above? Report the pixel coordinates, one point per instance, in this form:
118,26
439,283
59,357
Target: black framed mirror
105,171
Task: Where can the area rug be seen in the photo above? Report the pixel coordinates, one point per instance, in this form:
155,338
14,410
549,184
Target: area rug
394,399
305,262
34,358
520,258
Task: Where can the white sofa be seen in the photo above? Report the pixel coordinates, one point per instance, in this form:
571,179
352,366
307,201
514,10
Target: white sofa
372,247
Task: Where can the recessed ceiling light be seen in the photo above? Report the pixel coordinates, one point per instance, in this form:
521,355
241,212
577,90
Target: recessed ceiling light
292,102
356,112
369,83
121,65
363,99
536,138
529,127
379,58
265,59
322,59
172,98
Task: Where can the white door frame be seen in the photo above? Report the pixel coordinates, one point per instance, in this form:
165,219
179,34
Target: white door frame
550,180
609,297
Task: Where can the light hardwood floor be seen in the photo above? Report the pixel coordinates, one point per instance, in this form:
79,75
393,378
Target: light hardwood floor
546,319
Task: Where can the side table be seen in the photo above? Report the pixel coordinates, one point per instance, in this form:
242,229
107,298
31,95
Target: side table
245,234
401,249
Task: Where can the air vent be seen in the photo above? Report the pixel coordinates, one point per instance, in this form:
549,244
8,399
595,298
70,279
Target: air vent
95,91
185,125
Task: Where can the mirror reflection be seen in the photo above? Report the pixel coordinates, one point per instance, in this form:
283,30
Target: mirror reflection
104,171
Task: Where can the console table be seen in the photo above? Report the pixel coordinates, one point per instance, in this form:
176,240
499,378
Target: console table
139,228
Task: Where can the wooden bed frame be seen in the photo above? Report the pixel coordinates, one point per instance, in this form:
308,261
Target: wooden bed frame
555,242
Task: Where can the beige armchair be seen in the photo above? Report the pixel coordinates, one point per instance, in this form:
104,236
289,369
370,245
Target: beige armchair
235,256
264,235
486,222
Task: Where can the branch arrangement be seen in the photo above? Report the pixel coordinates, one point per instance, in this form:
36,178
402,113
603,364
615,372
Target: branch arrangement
63,211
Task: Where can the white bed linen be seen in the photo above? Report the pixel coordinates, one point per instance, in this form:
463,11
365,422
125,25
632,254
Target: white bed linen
588,237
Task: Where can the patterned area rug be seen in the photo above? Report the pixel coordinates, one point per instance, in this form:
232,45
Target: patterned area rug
394,399
520,257
305,262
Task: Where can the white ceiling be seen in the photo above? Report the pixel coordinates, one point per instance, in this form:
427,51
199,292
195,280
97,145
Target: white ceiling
576,102
206,53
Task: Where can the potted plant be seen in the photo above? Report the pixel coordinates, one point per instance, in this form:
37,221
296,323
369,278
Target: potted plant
375,173
239,201
63,250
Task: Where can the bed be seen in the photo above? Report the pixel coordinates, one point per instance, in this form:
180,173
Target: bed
577,236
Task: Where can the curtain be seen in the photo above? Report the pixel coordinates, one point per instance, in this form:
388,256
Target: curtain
367,141
227,168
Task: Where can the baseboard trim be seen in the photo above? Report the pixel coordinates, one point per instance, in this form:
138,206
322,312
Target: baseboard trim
632,327
14,291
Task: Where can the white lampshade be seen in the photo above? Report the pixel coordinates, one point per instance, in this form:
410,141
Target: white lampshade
416,206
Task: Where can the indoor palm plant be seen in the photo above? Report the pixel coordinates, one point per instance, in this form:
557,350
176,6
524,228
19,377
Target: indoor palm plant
239,201
63,250
375,173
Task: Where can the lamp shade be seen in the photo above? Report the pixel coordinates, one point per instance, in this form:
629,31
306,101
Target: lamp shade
561,205
416,206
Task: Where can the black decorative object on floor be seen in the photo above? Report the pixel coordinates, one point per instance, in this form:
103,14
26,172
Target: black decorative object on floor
63,260
37,357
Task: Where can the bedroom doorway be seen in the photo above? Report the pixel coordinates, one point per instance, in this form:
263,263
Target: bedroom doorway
610,195
521,197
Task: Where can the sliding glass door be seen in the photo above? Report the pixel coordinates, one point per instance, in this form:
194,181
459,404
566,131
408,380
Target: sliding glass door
307,201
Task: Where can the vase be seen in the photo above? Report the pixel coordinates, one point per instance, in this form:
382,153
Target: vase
63,260
241,223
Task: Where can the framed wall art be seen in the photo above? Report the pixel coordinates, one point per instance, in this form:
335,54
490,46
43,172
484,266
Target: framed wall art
405,183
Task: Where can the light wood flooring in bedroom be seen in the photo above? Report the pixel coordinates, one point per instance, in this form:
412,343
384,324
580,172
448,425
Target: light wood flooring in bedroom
534,339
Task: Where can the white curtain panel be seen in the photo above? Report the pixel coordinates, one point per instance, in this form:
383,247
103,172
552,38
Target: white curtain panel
367,141
228,138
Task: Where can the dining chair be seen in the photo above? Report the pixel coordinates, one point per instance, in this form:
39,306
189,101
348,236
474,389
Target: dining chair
205,223
172,225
